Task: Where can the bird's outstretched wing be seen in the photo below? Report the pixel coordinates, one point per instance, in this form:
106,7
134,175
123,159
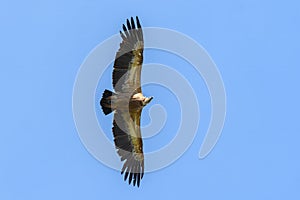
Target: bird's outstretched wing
129,144
129,59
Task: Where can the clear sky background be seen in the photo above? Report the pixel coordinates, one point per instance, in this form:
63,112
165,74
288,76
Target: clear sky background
255,45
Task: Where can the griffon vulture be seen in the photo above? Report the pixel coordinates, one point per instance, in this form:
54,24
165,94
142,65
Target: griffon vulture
127,101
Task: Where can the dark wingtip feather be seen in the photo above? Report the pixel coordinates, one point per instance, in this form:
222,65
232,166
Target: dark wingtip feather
130,178
123,169
126,175
122,35
138,179
128,24
138,22
132,23
134,179
124,28
126,31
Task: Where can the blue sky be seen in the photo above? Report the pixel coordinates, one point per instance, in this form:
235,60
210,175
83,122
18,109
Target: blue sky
255,45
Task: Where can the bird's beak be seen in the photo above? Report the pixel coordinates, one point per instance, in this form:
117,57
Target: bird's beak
147,100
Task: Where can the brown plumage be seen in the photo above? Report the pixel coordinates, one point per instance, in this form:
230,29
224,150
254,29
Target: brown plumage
127,101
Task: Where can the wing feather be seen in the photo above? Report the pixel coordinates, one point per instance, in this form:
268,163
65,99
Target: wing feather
128,24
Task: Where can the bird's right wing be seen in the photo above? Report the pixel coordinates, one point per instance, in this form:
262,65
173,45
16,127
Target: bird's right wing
129,59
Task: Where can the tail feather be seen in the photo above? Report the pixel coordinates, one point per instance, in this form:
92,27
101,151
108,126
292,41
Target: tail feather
106,101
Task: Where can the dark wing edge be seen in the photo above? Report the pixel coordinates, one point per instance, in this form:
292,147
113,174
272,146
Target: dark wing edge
129,145
129,58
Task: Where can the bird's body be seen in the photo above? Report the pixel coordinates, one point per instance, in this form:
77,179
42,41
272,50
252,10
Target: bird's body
127,101
136,102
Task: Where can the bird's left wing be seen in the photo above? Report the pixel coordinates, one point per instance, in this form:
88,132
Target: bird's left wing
129,144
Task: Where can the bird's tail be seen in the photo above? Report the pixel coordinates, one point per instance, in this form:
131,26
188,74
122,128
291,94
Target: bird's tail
106,101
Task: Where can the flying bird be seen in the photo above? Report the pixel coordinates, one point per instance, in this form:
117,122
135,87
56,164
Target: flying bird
127,101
